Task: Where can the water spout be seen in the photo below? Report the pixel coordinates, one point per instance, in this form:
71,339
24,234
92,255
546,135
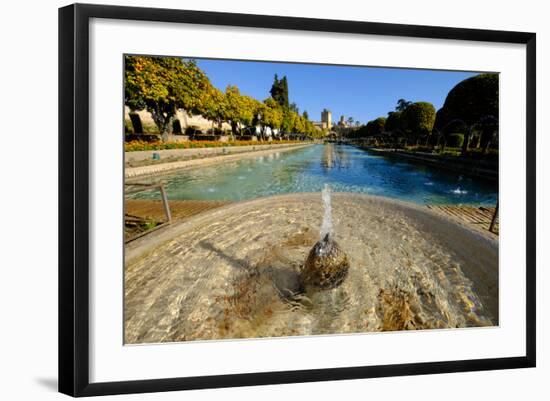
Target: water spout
326,226
327,264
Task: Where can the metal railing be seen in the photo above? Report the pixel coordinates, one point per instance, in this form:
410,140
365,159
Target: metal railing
140,187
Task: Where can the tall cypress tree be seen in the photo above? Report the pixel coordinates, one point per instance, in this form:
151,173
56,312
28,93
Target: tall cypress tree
279,91
276,89
284,92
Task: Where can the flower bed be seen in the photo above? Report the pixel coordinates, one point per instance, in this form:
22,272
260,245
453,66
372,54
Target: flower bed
134,146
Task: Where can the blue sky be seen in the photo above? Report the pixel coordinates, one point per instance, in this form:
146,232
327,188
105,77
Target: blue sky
363,93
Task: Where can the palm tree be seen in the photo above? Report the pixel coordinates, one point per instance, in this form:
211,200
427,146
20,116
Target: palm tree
402,104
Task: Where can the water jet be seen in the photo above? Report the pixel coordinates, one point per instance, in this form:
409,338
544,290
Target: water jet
327,264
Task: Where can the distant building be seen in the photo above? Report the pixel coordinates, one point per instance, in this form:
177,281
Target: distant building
343,127
326,118
326,121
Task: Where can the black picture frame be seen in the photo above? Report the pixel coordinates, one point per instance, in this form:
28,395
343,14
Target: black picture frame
74,198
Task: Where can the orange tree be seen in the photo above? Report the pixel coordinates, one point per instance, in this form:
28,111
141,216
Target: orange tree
272,115
162,85
239,109
215,106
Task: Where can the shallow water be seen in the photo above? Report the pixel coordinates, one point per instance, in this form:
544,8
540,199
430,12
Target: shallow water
236,273
344,168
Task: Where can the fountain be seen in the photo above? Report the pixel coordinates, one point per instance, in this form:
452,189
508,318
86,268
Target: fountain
327,264
239,272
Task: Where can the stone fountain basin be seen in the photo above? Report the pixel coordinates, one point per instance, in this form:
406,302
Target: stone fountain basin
234,272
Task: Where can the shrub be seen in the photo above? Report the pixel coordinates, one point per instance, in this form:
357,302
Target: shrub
192,131
455,140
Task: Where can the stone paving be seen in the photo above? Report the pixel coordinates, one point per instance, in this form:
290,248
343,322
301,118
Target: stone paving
179,209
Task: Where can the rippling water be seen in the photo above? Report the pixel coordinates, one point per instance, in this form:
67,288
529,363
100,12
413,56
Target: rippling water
236,273
344,168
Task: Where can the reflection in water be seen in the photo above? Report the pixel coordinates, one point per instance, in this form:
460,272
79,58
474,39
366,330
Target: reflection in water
344,168
328,156
334,157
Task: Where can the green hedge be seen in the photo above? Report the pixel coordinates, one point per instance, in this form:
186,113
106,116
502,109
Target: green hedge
455,140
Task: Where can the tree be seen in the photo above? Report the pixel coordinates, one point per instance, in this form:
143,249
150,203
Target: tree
288,123
272,114
162,85
239,108
310,129
279,91
441,120
488,126
284,89
350,121
418,119
360,132
402,104
474,103
258,110
376,127
299,124
215,106
275,90
393,122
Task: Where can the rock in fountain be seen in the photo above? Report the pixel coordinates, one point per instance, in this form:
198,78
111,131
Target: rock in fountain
327,265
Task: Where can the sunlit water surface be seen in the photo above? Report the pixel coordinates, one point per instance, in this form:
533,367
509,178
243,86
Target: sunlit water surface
236,272
344,168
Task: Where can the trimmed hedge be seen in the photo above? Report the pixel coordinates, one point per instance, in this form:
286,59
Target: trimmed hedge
455,140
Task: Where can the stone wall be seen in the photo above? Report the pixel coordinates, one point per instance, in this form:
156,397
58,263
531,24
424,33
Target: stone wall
169,156
185,119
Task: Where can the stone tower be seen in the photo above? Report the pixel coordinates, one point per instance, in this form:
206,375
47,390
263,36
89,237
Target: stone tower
326,119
